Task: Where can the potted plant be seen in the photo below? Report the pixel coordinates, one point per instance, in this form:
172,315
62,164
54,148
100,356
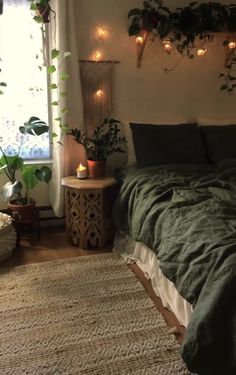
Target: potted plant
42,10
17,191
103,141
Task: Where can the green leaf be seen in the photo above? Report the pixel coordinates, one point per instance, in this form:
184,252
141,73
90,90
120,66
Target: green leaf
67,55
33,6
55,103
64,110
64,76
38,19
3,84
134,29
1,92
43,174
55,53
29,178
53,86
34,126
134,12
54,135
57,119
63,94
51,69
10,189
224,87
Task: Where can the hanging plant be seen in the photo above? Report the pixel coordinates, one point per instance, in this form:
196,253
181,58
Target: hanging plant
185,26
42,10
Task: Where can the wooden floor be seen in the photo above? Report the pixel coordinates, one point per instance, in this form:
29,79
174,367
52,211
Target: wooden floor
54,244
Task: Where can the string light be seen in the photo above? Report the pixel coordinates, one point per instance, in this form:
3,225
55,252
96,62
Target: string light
97,55
99,93
201,51
232,44
167,45
139,40
100,32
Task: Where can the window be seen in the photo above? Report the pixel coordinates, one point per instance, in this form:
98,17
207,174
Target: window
26,93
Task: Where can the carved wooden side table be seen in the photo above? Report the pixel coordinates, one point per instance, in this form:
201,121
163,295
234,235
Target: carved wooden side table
88,210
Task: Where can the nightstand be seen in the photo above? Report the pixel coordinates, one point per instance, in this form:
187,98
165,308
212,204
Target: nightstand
88,206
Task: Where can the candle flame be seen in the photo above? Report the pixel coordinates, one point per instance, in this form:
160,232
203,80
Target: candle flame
81,168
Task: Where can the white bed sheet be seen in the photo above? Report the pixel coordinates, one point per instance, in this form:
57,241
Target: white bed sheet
147,260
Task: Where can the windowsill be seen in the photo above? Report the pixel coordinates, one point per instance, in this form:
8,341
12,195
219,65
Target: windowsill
38,162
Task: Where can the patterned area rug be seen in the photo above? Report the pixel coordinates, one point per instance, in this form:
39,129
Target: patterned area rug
86,315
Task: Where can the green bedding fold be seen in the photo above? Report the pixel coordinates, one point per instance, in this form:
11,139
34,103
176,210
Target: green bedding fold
187,216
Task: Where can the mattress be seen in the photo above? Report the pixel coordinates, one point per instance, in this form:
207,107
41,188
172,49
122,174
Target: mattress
147,261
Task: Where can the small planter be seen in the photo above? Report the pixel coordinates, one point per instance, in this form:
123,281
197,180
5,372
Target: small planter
25,212
97,168
44,12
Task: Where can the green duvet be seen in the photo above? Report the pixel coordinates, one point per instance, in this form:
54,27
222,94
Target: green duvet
187,216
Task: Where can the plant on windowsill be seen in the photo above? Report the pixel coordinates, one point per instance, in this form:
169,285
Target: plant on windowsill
103,141
17,191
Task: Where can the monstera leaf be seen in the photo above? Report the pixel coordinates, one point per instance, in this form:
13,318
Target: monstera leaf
11,189
34,126
44,174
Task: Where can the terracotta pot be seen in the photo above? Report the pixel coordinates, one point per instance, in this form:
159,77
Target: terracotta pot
97,168
24,212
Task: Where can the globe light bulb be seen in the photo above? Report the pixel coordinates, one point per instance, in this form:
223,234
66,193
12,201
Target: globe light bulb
99,93
167,45
100,32
201,51
232,44
139,40
97,55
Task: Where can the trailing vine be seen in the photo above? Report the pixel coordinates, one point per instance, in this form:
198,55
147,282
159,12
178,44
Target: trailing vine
54,62
186,27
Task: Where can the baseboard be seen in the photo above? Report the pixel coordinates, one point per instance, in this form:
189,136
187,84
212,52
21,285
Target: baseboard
47,217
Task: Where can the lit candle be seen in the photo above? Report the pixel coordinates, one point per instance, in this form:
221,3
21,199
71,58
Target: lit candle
81,172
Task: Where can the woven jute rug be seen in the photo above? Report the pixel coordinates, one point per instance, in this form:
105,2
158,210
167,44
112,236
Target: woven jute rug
86,315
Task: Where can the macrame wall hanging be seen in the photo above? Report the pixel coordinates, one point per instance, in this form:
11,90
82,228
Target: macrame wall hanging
97,79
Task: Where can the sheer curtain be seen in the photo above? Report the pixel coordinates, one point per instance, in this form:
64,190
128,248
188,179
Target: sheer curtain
67,157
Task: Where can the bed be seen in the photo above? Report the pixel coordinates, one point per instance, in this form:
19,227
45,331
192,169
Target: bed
176,217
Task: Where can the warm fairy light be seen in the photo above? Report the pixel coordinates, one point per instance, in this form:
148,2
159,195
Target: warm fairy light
139,40
232,45
100,32
99,93
97,55
201,51
167,45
